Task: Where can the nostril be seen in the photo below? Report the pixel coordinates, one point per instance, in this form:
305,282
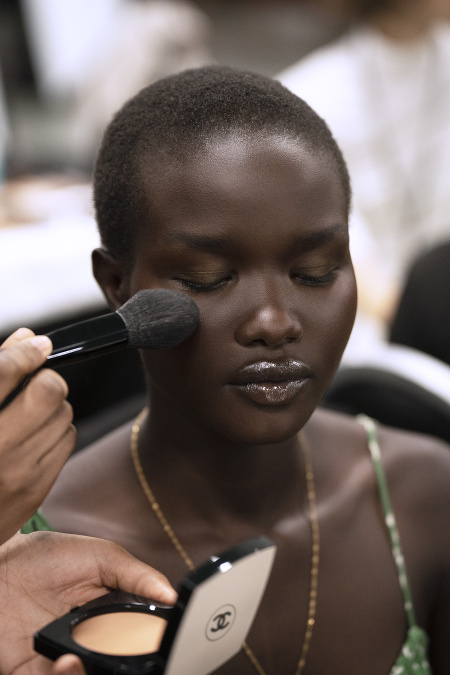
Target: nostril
274,342
271,325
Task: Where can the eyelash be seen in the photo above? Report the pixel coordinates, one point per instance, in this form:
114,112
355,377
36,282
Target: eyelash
197,287
307,280
304,279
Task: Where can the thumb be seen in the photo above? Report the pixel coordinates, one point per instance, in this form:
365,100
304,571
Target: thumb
69,664
119,569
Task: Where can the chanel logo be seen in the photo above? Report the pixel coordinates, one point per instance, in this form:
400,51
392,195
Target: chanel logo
220,622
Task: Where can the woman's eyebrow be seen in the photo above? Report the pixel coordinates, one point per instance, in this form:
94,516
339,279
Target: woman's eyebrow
318,237
221,244
199,242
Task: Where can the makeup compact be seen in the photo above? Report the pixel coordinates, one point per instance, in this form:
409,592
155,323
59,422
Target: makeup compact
124,633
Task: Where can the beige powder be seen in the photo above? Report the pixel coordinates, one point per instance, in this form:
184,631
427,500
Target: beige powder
121,633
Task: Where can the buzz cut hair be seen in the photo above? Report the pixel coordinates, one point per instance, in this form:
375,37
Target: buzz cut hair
172,119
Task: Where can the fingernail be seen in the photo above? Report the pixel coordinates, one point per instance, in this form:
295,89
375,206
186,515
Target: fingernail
43,343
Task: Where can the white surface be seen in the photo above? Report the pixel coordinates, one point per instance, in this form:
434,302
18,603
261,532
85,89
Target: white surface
388,106
412,365
238,589
64,37
45,271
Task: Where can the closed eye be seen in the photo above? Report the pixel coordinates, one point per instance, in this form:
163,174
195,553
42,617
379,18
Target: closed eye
319,280
203,286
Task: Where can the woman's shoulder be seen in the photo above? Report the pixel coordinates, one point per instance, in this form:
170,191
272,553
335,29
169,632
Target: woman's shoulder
404,453
399,443
416,468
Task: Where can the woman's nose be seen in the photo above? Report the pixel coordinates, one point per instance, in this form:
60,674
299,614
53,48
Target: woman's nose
272,324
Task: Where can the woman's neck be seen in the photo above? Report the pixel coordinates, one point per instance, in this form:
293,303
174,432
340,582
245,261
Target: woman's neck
212,475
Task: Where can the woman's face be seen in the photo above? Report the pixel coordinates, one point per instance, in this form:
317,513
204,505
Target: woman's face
255,231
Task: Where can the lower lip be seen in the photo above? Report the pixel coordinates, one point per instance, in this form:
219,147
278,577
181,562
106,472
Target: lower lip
271,393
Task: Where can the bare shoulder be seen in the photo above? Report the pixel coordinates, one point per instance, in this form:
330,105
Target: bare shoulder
407,456
417,465
417,471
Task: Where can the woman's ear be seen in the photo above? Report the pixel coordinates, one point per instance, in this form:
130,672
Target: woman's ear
111,278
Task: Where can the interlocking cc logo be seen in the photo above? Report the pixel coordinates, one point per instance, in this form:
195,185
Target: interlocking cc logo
220,622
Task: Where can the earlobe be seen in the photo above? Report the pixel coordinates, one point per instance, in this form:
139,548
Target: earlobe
111,278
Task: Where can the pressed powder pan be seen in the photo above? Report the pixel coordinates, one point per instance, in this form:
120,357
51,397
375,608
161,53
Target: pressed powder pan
124,633
121,633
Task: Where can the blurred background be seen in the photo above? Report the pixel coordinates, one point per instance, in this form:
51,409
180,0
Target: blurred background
67,65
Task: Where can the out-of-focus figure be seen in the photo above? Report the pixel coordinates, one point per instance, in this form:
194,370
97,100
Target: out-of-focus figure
97,55
384,89
422,319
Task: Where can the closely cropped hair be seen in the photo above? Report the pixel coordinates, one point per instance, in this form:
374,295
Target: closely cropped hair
169,121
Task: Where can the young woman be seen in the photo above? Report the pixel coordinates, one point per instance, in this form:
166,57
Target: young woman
227,187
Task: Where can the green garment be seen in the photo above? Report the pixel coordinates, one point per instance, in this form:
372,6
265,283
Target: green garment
36,523
412,659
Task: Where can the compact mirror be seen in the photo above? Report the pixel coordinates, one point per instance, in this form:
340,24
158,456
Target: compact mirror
124,633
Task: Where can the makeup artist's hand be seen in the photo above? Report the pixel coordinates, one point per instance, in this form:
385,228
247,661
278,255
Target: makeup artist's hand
44,575
69,664
36,431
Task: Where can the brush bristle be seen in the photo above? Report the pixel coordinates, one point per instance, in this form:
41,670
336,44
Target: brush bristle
159,318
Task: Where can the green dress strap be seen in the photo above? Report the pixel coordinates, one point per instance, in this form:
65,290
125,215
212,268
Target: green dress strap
37,523
412,659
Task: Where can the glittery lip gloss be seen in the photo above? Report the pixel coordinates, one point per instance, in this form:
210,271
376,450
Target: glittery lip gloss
270,382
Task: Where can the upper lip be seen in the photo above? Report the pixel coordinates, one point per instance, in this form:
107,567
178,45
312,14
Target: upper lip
289,370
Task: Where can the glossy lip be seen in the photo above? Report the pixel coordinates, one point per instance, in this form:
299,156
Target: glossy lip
271,383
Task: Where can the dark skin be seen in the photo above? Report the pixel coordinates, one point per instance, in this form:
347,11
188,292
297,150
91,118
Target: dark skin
256,233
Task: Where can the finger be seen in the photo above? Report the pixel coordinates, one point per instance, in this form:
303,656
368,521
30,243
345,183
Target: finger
41,398
69,664
29,469
16,337
45,433
21,359
24,490
32,467
45,391
49,465
43,395
60,443
39,409
119,569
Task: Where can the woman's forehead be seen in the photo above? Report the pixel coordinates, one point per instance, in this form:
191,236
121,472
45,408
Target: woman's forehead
235,187
227,162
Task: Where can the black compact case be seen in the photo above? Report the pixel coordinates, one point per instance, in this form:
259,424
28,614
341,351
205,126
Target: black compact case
213,614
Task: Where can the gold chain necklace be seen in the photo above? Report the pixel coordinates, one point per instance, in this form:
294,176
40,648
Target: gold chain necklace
314,523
